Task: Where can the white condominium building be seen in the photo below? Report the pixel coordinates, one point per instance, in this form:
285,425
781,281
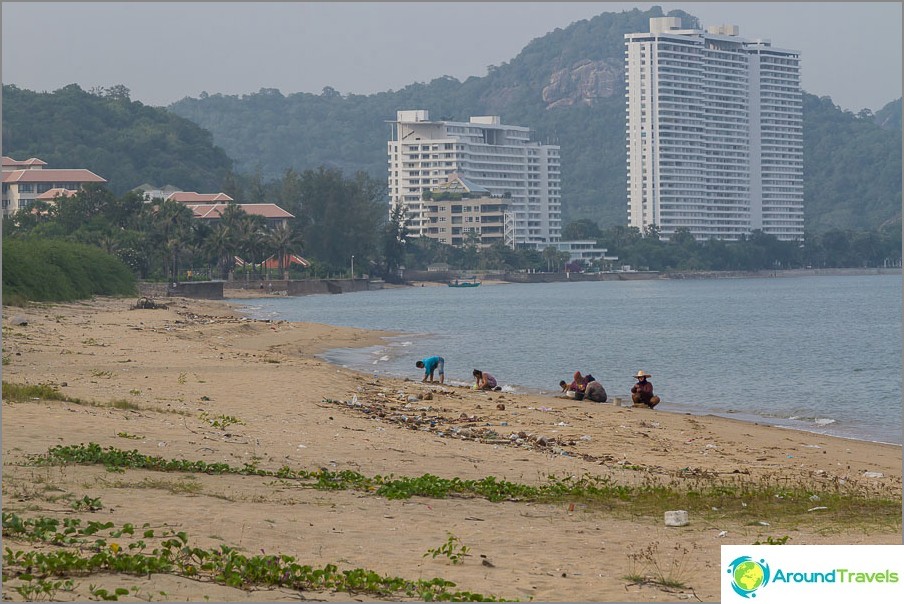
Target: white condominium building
714,133
501,159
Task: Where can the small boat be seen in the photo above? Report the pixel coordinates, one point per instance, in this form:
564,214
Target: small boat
458,283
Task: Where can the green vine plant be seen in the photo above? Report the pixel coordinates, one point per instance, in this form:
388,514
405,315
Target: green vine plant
220,421
770,540
101,548
90,504
106,595
43,590
851,503
453,549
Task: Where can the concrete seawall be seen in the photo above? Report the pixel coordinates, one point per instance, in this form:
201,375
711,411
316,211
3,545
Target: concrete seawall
301,287
217,290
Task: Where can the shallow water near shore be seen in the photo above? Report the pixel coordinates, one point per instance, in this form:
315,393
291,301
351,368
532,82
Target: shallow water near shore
813,353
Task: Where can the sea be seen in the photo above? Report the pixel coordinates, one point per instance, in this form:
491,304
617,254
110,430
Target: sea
815,353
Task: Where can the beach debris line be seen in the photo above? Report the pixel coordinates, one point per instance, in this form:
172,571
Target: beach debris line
405,412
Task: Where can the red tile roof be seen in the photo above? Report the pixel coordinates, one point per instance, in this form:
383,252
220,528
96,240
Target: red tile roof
273,261
56,192
215,210
192,197
34,161
51,176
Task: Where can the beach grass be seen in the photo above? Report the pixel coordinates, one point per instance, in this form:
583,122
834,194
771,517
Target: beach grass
765,502
22,393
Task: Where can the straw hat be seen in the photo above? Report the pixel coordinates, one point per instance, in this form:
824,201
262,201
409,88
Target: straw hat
641,374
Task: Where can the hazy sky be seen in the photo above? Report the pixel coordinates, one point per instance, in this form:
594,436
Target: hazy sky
164,51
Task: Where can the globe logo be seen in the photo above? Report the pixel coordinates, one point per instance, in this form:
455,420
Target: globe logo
748,575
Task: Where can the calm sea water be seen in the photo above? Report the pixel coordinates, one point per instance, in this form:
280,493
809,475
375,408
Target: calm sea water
816,353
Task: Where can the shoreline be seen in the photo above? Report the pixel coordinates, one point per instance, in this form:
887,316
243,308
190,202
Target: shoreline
241,293
665,407
695,409
158,381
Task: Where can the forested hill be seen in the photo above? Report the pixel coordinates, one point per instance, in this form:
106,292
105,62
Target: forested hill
124,141
568,86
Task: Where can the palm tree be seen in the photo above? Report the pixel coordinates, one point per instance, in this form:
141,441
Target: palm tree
219,244
250,236
551,255
171,224
285,241
232,219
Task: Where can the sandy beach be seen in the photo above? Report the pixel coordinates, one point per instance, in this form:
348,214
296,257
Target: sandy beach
196,381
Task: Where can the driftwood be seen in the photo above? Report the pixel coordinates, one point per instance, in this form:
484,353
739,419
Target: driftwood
146,303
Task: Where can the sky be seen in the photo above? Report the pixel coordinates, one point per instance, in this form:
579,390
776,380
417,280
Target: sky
165,51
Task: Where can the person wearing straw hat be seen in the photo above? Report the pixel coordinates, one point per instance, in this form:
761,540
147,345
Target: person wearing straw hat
642,391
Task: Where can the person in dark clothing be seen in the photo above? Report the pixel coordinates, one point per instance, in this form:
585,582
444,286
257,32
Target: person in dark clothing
595,392
642,391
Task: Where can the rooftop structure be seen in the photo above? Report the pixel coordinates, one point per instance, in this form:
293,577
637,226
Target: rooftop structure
192,197
458,212
274,214
424,153
24,181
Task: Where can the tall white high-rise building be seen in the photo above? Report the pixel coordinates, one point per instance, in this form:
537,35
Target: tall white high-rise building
502,159
714,133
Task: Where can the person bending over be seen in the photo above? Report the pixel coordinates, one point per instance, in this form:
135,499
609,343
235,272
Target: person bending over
432,365
595,392
485,381
579,386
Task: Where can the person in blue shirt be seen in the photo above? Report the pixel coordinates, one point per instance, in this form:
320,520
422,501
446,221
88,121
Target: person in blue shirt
431,365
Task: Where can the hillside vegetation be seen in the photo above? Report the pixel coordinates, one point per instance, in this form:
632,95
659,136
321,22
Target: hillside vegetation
124,141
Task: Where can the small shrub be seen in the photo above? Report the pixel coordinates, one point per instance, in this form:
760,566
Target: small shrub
51,270
451,549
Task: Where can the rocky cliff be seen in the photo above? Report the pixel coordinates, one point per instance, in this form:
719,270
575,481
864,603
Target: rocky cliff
583,83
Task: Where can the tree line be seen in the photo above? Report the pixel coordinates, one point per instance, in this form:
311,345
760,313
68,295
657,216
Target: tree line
835,248
338,217
335,217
